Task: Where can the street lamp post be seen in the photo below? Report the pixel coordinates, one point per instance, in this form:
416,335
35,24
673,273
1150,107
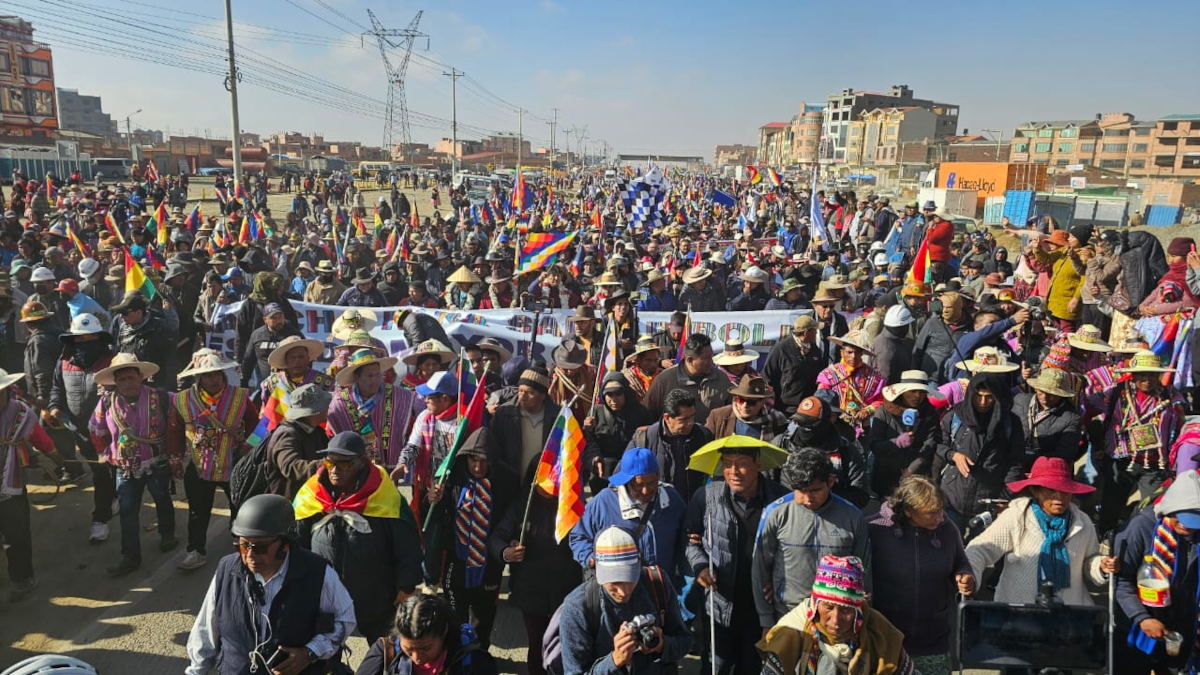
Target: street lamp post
129,131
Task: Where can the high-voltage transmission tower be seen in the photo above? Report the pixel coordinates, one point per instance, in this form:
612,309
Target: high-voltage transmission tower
395,53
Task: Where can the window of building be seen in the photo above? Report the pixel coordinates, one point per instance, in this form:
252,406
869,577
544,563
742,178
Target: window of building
1021,147
1170,126
1042,147
5,64
1112,163
1061,162
1087,147
1141,147
1114,147
1190,162
1116,133
1191,141
1164,161
1069,133
14,99
1169,141
39,102
1064,147
1041,160
1141,131
1045,133
1137,164
34,67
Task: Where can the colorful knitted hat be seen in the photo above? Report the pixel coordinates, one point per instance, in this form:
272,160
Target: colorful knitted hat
617,558
1059,356
840,581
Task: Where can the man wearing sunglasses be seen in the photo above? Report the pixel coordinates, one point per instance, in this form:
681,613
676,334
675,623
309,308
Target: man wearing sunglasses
351,514
299,612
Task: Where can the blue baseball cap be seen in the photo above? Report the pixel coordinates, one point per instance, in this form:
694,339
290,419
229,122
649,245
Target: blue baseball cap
233,272
441,383
635,462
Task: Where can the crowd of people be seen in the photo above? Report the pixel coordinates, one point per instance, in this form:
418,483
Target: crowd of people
815,508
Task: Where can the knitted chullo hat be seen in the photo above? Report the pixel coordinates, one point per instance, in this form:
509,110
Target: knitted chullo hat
1059,356
840,581
537,378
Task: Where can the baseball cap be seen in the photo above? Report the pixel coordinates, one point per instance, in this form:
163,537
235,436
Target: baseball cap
616,556
635,462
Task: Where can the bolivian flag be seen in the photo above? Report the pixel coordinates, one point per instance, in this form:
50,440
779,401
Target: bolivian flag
135,278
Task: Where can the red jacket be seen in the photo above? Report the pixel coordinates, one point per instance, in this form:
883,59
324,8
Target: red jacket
939,236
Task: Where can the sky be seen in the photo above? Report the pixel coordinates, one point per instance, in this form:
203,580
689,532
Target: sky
665,77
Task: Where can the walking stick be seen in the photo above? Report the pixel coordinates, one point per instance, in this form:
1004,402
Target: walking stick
712,594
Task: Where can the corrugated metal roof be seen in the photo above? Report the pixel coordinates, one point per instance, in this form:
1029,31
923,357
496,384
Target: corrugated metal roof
1185,117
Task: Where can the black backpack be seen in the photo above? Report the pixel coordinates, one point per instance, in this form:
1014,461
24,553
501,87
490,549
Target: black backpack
248,478
552,639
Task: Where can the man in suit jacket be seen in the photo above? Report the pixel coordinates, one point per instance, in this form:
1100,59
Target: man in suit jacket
519,431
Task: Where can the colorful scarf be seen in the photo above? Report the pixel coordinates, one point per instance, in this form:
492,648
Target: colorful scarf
1054,563
213,427
471,527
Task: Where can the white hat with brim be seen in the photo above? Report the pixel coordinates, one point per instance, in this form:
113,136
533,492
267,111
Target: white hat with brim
1145,361
1089,338
987,360
857,339
122,361
694,274
429,348
910,380
734,354
279,354
7,380
207,361
352,320
360,358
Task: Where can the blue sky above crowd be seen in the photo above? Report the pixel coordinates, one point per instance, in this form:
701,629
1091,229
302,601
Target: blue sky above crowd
664,77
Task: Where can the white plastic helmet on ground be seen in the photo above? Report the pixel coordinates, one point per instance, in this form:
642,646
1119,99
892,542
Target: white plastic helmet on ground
50,664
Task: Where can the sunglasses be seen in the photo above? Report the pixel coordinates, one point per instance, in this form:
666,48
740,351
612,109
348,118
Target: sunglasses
262,547
342,464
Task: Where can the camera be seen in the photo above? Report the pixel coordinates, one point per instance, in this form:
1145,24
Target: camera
1036,311
528,304
643,631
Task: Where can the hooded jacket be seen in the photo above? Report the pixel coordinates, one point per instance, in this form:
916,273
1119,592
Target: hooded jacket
612,431
994,441
268,287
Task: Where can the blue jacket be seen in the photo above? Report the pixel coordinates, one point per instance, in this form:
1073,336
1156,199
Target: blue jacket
969,342
657,303
662,542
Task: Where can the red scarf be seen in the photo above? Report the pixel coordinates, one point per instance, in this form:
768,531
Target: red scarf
1177,272
355,501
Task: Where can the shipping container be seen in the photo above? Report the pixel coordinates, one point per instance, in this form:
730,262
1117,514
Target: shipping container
991,179
1101,211
957,202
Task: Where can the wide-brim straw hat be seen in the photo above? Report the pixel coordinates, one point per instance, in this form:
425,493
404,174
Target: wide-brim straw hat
644,344
429,348
1089,338
988,360
360,358
278,355
1145,361
653,276
857,339
488,344
694,274
607,279
1054,381
207,361
9,379
583,313
352,320
463,275
734,354
910,380
121,361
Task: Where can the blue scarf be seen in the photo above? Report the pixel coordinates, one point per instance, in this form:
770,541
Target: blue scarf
1053,562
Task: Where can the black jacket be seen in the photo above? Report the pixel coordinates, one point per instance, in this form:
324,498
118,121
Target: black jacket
935,345
505,437
258,348
611,432
673,453
995,443
419,327
791,374
1055,435
847,456
891,461
539,584
893,355
150,341
42,352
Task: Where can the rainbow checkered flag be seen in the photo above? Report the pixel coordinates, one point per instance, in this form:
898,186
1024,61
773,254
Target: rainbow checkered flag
560,471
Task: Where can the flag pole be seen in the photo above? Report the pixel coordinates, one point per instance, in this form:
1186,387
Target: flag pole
533,484
596,384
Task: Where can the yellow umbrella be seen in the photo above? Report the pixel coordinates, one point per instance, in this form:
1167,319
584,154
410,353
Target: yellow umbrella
708,458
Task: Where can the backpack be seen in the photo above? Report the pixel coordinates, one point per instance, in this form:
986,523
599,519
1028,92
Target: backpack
552,639
248,478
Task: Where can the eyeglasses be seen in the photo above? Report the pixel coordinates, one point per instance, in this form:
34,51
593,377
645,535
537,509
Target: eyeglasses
748,401
342,464
261,547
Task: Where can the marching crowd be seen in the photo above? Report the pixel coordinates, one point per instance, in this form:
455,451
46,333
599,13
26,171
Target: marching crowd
943,403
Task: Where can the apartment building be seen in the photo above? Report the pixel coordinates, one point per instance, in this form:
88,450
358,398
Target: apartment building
27,103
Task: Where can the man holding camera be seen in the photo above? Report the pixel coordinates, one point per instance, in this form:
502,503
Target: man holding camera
626,619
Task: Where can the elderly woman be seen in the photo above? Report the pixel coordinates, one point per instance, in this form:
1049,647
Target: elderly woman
835,630
926,565
1043,536
904,432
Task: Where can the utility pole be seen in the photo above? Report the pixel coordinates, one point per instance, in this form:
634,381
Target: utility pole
553,124
129,131
454,75
520,135
568,133
999,139
231,84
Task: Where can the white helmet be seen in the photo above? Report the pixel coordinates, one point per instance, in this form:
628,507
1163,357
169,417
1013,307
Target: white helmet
898,316
85,324
42,274
87,267
50,664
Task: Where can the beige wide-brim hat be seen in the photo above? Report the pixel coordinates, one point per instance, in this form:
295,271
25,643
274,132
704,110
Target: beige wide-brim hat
1089,338
1054,381
464,275
360,358
9,379
352,320
1145,361
910,380
120,362
278,355
207,361
734,354
857,339
987,360
694,274
428,348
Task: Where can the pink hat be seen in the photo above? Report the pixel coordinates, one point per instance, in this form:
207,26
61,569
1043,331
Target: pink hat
1054,474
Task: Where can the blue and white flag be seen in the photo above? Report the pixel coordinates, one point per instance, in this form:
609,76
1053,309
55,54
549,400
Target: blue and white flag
817,227
723,198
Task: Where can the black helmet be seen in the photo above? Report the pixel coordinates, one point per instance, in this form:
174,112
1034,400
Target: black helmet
264,516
